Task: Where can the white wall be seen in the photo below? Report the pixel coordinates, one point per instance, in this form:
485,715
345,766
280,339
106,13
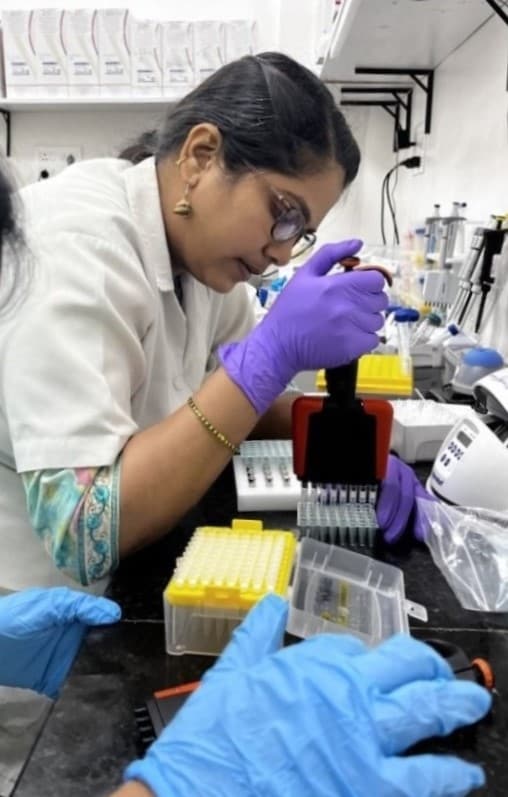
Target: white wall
466,154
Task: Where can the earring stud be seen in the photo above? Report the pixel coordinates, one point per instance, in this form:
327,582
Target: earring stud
183,207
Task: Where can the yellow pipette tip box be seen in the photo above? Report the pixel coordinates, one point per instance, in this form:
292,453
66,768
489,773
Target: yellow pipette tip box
379,375
222,573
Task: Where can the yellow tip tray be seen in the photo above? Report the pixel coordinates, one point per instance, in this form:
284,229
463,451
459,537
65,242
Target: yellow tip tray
379,375
232,567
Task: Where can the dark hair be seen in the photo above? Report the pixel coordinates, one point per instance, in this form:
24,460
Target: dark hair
12,275
8,225
273,114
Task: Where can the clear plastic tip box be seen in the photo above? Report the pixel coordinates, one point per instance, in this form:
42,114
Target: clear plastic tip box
340,591
221,575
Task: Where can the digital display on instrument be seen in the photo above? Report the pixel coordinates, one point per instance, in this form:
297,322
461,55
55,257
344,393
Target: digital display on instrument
464,439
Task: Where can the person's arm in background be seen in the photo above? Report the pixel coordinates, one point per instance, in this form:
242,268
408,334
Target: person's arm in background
41,631
325,716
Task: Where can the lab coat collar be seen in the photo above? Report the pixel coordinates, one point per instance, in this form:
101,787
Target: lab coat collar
143,193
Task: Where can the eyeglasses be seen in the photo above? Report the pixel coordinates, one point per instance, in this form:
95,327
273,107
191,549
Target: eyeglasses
290,223
305,243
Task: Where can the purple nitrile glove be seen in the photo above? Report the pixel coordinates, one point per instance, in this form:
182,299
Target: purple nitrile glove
320,320
399,491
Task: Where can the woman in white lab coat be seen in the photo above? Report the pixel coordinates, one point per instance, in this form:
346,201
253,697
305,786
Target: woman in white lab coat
109,432
326,715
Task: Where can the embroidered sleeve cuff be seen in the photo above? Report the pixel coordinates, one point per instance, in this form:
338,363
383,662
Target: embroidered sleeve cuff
74,511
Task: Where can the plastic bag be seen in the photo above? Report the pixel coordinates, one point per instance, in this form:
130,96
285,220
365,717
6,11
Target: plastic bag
469,545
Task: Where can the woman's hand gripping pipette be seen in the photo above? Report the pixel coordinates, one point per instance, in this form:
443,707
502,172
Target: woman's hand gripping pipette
320,320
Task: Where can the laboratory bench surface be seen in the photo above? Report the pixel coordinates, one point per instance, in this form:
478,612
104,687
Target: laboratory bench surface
91,733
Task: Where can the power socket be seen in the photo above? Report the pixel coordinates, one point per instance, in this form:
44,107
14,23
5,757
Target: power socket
50,160
419,148
421,154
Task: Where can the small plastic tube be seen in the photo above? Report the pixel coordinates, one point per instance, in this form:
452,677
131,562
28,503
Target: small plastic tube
404,319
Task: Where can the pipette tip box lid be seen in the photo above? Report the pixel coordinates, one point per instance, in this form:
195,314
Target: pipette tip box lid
340,591
379,375
222,573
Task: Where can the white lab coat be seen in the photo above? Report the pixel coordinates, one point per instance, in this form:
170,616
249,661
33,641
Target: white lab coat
101,347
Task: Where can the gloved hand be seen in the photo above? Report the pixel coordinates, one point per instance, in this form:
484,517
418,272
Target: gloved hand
318,321
397,501
323,717
41,631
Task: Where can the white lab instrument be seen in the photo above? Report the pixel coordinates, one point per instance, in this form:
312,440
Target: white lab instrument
440,288
475,364
471,467
491,394
420,426
495,330
454,346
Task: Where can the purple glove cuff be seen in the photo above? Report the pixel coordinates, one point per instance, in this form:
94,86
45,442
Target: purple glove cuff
252,372
397,501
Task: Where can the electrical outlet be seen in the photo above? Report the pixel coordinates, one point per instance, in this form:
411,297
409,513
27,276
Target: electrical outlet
50,160
419,148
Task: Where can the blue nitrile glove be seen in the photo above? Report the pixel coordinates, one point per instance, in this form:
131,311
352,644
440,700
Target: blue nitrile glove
397,500
319,320
324,717
41,631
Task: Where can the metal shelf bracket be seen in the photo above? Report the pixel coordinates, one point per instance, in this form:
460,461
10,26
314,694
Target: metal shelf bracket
6,115
400,105
424,79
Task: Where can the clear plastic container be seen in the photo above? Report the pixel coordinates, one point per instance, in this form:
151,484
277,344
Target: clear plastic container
339,591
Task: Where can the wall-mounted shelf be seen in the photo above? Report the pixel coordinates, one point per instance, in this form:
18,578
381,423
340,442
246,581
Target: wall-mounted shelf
10,105
80,103
399,34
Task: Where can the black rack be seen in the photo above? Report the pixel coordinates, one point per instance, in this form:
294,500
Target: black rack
500,7
395,100
6,115
399,106
424,79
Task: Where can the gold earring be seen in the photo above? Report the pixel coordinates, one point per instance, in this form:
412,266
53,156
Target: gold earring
183,207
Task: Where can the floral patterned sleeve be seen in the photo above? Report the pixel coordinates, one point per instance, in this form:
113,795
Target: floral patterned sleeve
75,512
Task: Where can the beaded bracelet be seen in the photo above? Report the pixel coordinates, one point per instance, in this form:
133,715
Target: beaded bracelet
210,427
